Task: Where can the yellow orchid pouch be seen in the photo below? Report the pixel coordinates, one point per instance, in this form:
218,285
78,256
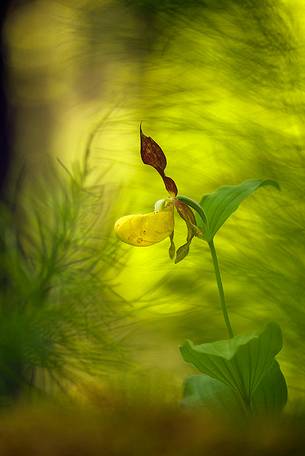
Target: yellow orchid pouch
143,230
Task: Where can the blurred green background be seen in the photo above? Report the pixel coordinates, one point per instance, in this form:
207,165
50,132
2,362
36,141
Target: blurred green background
219,85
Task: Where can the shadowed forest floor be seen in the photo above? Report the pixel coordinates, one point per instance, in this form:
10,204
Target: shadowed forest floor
137,430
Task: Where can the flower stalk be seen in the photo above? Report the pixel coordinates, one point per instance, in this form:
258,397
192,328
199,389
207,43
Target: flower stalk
220,289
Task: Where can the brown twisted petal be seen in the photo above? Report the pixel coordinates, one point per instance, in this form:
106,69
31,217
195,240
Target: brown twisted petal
170,185
185,212
188,216
153,155
172,247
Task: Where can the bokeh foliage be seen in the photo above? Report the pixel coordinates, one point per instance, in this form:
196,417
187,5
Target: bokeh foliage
58,307
219,86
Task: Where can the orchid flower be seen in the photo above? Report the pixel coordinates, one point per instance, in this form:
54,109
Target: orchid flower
143,230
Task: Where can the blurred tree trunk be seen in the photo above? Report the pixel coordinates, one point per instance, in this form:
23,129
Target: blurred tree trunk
10,386
5,120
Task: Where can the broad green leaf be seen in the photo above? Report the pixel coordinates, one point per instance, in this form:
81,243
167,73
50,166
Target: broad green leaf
210,394
219,205
240,362
271,394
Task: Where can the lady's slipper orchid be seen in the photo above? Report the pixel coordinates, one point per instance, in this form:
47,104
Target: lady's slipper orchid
143,230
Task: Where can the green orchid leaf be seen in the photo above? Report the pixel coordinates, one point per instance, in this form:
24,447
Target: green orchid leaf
240,362
213,395
271,394
219,205
205,392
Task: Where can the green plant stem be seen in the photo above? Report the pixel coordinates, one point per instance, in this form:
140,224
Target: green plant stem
220,288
